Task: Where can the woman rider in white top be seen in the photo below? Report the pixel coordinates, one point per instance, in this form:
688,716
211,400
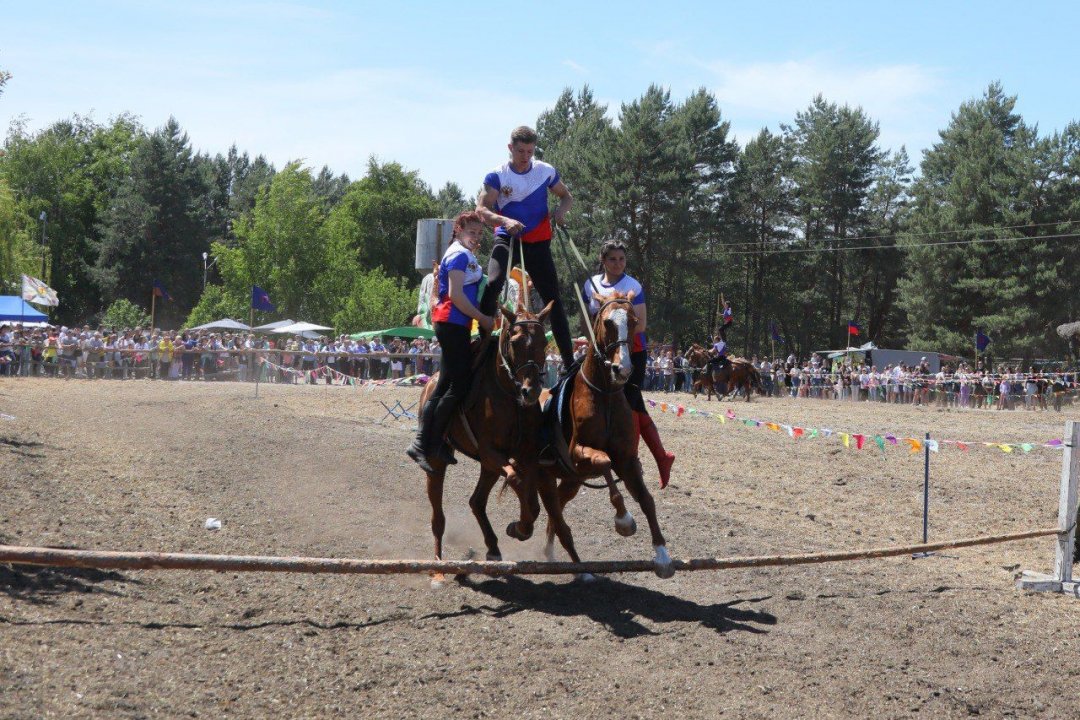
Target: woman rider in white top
611,278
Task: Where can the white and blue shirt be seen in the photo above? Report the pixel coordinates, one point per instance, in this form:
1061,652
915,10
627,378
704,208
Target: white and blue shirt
456,257
524,197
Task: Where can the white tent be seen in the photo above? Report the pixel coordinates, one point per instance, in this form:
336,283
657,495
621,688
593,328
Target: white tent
300,328
270,327
223,324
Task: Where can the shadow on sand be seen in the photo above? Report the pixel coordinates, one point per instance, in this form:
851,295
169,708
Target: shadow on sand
616,605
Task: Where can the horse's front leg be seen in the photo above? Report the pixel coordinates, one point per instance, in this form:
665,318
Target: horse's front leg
528,504
438,519
625,524
567,489
590,462
478,503
630,472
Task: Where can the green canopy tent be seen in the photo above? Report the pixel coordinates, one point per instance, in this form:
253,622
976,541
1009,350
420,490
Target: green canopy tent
406,332
397,332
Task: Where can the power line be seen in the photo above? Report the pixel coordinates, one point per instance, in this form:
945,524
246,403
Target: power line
785,251
752,243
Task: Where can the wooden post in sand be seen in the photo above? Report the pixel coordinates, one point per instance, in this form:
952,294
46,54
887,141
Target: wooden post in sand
1062,580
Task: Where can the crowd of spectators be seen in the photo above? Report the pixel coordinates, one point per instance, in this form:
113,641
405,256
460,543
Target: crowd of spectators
188,355
104,353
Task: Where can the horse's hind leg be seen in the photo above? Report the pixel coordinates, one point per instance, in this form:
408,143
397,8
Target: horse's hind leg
478,503
438,519
635,485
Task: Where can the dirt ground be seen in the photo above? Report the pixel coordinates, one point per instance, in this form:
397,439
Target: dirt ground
305,470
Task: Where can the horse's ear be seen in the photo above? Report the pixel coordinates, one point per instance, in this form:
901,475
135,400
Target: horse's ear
544,313
507,314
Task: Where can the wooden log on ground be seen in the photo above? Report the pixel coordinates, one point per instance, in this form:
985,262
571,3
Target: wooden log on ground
107,560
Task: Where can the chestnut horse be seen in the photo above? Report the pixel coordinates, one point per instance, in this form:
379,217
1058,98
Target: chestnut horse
601,436
740,374
499,420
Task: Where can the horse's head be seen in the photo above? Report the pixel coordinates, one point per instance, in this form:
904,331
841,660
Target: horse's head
614,329
521,352
697,356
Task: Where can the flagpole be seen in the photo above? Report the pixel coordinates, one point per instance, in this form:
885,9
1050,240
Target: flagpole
153,308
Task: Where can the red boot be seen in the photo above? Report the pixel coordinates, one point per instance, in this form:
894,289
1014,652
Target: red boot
664,459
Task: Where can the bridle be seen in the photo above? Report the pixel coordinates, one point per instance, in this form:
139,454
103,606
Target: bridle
601,356
514,373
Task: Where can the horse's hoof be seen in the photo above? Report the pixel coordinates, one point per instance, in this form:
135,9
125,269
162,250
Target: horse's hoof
662,564
514,531
586,577
494,556
438,581
626,525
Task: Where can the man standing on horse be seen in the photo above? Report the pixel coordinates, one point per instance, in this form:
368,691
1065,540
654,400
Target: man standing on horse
726,319
514,201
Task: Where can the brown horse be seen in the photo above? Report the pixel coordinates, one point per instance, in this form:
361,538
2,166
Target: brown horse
722,380
498,421
601,436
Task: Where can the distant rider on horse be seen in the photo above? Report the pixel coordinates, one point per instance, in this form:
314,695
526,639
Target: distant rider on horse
719,354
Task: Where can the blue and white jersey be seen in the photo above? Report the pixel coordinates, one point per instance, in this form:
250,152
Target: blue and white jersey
457,257
524,197
625,285
720,347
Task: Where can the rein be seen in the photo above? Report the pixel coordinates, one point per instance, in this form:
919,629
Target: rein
513,373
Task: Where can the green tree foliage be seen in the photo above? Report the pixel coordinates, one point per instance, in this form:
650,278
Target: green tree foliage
155,226
280,247
451,201
375,221
989,178
123,313
216,303
18,252
375,301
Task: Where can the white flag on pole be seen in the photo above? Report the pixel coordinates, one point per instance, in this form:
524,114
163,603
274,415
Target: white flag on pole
35,291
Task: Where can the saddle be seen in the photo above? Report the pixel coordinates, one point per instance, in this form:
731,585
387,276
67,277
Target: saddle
556,425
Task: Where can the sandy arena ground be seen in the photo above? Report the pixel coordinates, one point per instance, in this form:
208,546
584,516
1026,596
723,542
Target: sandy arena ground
308,471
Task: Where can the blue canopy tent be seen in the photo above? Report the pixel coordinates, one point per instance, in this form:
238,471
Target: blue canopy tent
14,309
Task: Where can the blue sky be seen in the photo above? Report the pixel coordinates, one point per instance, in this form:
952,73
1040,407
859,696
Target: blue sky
438,86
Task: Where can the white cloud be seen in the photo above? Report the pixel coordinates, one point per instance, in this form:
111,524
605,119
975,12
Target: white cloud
579,69
905,99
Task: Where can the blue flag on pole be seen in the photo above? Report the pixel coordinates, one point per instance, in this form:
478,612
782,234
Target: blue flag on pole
260,300
160,291
981,341
775,332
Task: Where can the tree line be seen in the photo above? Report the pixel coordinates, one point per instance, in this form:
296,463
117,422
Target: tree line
804,230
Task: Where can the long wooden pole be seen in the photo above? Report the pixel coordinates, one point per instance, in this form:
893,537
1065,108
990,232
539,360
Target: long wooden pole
254,563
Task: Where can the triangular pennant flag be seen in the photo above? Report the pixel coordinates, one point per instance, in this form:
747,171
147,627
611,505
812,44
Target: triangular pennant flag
891,438
1005,448
797,432
1026,447
663,407
962,446
846,439
859,440
880,442
680,411
826,432
731,414
933,445
813,433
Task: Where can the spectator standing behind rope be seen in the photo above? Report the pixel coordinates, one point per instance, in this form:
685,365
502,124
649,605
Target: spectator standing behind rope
613,278
515,202
458,282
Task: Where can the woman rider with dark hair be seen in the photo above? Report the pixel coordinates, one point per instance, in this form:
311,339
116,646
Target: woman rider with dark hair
458,280
613,278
